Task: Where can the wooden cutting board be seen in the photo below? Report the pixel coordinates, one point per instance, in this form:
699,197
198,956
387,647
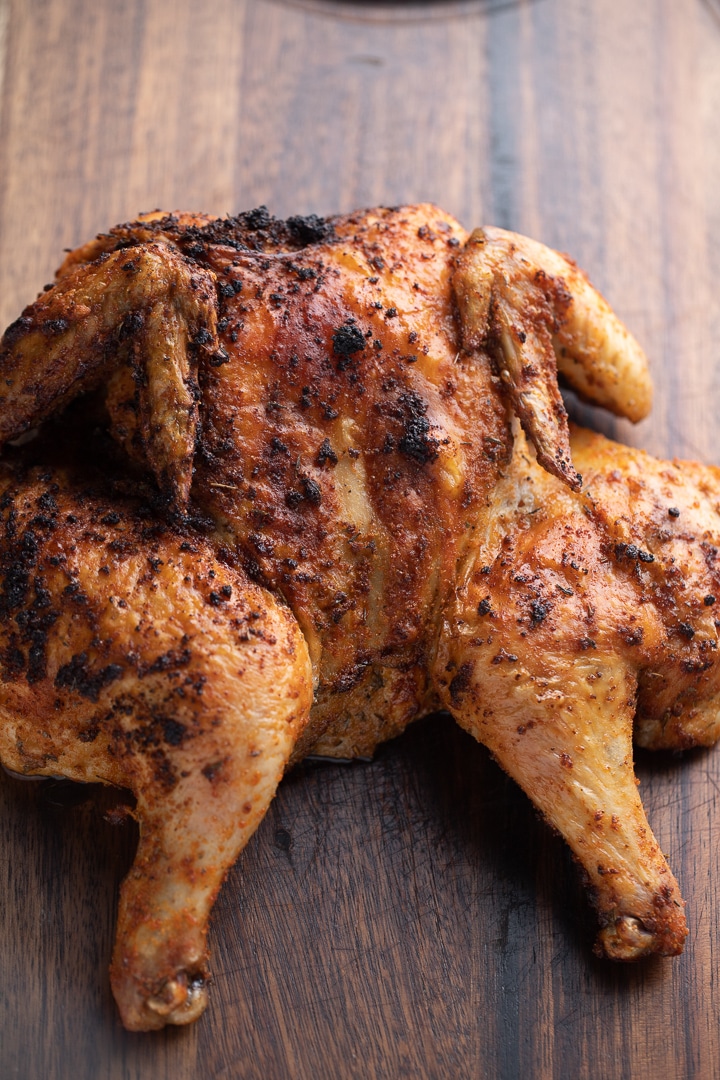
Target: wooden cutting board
410,917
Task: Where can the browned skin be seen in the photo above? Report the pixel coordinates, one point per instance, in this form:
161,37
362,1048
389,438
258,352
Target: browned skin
133,656
320,415
574,613
144,308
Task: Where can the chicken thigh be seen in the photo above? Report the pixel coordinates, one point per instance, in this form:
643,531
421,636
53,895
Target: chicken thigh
317,520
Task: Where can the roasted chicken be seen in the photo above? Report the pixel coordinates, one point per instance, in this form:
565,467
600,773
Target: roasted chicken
333,488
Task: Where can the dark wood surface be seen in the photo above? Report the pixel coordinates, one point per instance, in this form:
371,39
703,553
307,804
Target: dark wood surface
410,917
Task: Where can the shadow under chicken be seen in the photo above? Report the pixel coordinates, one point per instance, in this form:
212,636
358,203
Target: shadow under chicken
311,516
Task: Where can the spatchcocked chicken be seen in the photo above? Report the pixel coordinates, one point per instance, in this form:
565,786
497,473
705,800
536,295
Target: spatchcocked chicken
280,503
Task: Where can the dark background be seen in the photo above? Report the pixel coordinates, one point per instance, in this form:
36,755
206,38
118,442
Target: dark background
411,917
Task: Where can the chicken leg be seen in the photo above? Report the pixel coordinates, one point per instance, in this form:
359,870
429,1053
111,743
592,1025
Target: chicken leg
536,661
133,656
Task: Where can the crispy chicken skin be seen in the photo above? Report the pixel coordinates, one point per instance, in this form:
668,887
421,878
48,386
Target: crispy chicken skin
133,656
315,519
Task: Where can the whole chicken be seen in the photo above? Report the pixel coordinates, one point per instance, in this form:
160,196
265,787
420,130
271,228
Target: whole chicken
312,517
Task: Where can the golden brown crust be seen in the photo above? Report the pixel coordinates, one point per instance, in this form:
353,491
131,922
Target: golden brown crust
540,659
343,438
662,522
131,655
319,414
135,323
334,448
511,310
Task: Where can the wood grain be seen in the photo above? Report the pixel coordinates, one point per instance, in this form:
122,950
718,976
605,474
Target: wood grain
409,917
